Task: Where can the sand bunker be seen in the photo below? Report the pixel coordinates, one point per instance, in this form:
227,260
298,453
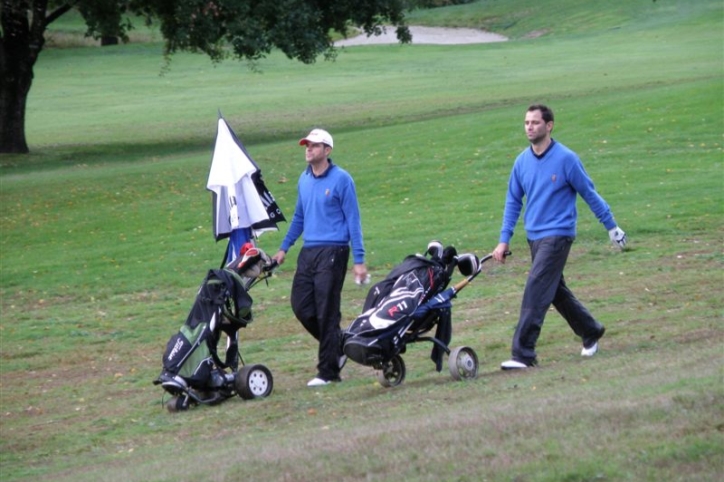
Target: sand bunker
427,35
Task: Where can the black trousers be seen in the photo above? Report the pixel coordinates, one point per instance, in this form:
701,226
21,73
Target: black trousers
545,286
316,301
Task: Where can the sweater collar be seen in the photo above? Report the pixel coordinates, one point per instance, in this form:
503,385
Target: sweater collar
326,171
548,149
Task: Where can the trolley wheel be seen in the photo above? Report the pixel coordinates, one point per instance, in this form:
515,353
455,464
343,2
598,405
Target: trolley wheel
393,372
177,404
254,381
463,363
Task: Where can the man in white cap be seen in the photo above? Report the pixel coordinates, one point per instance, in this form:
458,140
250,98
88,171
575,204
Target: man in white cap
327,213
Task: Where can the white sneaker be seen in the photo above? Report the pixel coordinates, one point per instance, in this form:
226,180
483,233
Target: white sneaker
317,382
512,365
590,351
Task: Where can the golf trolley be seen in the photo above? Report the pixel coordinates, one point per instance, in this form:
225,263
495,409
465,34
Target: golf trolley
405,307
193,371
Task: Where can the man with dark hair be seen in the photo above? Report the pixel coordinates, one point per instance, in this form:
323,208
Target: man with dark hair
328,214
549,176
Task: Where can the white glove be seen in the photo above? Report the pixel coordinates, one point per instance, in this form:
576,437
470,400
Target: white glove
618,237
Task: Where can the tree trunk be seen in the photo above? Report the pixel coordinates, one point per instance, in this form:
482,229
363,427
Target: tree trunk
14,88
109,40
21,41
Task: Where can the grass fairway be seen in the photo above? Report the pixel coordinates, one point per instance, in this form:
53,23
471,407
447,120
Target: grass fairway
105,233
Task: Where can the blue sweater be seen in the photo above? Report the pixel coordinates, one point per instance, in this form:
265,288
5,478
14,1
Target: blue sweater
550,184
327,212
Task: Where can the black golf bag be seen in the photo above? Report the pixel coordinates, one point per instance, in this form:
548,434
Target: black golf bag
194,369
406,305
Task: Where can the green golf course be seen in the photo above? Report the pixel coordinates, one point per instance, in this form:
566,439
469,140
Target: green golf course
106,233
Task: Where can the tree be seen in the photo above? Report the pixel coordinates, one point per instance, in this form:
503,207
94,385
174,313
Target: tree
240,29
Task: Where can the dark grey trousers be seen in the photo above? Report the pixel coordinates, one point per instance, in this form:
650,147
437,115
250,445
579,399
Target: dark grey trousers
316,301
546,286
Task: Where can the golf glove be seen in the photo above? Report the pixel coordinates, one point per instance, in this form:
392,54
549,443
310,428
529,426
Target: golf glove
618,237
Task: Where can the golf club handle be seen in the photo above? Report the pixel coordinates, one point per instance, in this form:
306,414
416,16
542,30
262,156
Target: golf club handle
462,284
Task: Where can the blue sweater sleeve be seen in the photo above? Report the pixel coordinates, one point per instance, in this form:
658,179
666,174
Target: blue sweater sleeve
513,205
296,227
350,207
582,183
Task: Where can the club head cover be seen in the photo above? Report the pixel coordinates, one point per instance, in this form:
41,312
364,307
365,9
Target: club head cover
449,254
234,263
252,263
468,264
245,247
434,249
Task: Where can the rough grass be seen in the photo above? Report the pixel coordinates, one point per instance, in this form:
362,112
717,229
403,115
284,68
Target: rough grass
105,234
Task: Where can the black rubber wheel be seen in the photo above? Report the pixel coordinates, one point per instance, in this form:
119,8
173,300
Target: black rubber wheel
254,381
177,404
393,372
463,363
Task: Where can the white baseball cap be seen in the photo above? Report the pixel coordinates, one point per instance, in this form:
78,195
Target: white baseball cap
317,135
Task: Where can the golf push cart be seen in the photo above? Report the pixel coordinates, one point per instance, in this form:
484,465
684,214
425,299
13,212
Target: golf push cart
193,371
403,308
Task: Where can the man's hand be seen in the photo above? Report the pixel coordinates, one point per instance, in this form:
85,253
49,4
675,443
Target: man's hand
499,252
618,237
361,276
279,257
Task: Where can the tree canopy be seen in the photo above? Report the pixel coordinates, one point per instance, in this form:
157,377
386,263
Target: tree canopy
241,29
